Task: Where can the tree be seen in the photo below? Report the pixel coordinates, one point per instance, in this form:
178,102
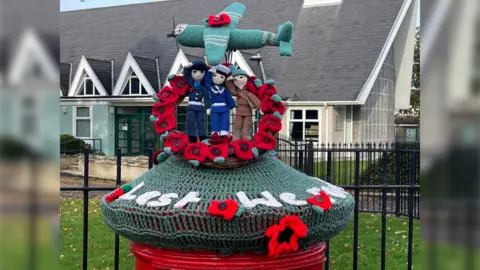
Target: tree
415,89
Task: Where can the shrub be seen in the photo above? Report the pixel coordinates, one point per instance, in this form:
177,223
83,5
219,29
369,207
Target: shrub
70,145
12,149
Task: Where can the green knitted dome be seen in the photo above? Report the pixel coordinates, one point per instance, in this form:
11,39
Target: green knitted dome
192,227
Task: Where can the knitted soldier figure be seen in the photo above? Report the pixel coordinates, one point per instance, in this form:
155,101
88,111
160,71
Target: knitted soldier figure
246,102
194,74
222,101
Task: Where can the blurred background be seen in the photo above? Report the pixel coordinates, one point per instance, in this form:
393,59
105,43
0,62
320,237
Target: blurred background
29,133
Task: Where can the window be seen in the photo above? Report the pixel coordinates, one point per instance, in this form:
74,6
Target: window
88,88
305,125
82,122
134,87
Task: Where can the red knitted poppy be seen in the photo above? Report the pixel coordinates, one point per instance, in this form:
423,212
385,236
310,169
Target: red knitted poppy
165,123
284,236
270,106
161,109
251,85
243,149
167,95
266,90
176,141
219,150
321,200
155,155
196,151
264,141
179,85
226,208
218,20
270,123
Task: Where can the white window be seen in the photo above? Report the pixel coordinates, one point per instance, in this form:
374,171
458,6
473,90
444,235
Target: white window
134,87
82,122
88,88
305,125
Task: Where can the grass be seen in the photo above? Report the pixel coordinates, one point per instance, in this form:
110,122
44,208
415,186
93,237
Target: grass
343,171
101,241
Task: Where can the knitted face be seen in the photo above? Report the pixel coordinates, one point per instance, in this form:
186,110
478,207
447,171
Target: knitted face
218,78
240,81
198,75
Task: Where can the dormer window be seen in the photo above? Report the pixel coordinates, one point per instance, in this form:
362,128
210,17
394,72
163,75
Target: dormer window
88,88
134,87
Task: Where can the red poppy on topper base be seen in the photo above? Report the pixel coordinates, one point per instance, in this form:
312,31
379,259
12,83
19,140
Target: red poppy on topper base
264,141
228,209
196,153
284,236
175,142
320,202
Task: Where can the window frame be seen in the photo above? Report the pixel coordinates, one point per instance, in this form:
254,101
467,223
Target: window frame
140,85
84,88
75,118
305,120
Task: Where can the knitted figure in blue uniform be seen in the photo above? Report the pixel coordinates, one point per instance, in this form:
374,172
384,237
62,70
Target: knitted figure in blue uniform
194,74
222,101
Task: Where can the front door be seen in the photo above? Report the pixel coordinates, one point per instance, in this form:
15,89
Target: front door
129,130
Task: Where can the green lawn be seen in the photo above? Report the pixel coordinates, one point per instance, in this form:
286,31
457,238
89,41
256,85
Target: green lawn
343,171
101,241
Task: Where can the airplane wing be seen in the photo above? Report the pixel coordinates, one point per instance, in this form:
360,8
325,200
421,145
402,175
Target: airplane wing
235,11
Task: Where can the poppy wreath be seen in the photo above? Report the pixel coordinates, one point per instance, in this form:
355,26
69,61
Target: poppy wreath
264,141
222,19
228,209
244,149
270,123
159,156
284,236
270,106
218,153
320,202
179,85
167,95
251,85
175,142
266,91
196,153
117,193
162,109
165,123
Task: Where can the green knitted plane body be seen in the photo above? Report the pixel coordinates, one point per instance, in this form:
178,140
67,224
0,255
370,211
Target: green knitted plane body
192,227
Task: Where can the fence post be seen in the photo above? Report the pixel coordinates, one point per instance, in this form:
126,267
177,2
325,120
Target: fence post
310,159
297,162
150,158
329,166
410,207
397,179
119,184
355,216
86,153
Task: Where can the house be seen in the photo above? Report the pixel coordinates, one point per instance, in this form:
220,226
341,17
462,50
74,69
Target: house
350,70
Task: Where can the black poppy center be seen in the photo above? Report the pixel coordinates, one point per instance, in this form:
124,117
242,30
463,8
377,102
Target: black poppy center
163,124
285,235
196,151
243,147
161,110
216,151
181,84
319,199
165,94
265,140
222,206
177,142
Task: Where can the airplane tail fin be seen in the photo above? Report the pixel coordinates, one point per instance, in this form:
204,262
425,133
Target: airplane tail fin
284,37
285,32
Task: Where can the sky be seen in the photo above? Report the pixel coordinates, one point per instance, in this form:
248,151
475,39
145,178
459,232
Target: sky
66,5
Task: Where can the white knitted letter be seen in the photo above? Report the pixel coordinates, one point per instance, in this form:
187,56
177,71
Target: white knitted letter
267,200
164,200
290,199
145,197
129,195
314,191
190,197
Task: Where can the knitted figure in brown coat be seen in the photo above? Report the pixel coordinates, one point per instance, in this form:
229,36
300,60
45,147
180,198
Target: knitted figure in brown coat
246,102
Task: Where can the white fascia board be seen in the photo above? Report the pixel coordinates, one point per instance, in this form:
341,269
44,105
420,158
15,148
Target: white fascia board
319,103
319,3
128,66
31,48
180,61
367,88
84,69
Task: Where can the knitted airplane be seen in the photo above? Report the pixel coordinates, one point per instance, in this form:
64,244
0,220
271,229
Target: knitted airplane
219,34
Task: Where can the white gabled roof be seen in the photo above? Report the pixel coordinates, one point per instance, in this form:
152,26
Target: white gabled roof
129,66
180,61
83,70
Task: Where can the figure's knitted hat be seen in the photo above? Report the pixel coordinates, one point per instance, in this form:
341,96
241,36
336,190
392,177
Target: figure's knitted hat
199,65
225,71
237,71
228,211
